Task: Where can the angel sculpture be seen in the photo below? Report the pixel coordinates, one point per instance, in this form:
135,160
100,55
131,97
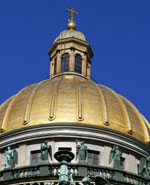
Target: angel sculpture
115,154
46,150
11,158
81,152
145,165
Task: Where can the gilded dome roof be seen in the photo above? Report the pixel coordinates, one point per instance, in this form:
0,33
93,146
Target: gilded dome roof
71,34
72,99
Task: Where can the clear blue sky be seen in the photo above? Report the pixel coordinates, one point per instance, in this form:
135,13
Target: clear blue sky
118,31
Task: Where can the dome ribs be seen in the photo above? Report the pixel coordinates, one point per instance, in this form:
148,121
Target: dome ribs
80,112
8,110
26,117
52,113
123,110
71,99
138,115
126,116
147,130
1,106
104,108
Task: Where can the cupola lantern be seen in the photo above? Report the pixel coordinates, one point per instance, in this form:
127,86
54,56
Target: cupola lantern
70,52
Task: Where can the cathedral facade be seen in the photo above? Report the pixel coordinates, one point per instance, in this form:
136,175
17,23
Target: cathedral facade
70,130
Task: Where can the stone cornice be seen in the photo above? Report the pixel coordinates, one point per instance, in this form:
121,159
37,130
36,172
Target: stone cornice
74,131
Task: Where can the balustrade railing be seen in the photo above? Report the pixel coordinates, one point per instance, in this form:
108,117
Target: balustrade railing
51,171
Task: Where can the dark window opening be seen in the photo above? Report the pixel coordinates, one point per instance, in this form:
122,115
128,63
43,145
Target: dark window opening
93,157
122,162
65,148
78,63
55,66
138,168
65,62
143,172
35,157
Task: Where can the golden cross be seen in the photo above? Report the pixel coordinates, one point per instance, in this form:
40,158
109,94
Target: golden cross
72,12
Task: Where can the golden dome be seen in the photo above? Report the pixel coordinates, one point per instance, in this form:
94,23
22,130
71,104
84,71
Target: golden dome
71,34
73,99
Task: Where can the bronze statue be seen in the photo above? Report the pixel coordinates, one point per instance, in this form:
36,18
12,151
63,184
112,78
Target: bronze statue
115,154
145,165
46,150
11,158
81,152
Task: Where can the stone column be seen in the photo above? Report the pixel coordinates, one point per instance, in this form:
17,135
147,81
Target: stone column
71,66
51,69
22,155
84,64
58,70
89,71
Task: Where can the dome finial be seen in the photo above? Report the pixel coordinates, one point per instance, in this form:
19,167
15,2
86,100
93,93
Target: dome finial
71,25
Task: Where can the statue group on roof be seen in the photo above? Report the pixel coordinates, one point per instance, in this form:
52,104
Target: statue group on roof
11,157
46,151
81,152
115,155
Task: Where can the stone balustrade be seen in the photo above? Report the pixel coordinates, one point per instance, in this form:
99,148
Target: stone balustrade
50,173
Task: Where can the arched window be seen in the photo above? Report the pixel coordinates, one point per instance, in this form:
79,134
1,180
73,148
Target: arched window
65,62
78,63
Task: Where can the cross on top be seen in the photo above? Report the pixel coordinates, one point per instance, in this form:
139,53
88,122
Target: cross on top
72,12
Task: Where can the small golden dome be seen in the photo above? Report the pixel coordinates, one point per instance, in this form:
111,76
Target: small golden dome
71,34
73,99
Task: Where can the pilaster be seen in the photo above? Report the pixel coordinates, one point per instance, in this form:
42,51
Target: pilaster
51,69
132,166
72,53
84,64
106,156
22,155
58,67
88,70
